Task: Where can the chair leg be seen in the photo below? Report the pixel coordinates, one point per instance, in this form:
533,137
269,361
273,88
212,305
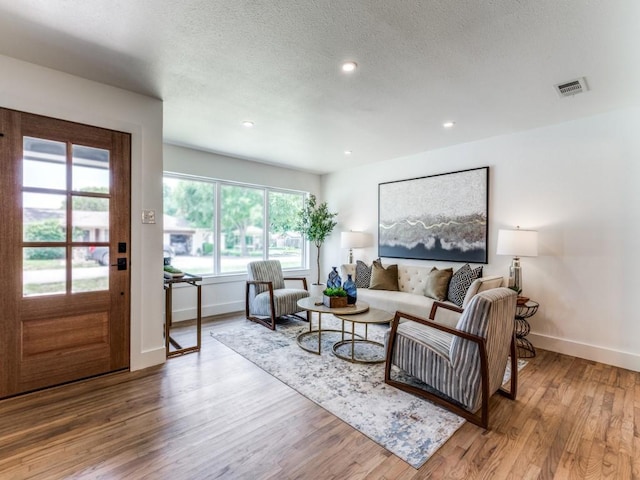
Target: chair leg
269,324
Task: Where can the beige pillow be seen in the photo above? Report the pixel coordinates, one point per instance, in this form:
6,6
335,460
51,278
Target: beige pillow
438,283
384,278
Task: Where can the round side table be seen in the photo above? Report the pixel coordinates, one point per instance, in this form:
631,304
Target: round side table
522,327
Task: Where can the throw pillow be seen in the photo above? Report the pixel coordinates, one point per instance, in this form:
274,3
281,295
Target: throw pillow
363,274
460,283
384,278
438,283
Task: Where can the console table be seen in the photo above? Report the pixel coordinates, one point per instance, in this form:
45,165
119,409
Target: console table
522,327
169,282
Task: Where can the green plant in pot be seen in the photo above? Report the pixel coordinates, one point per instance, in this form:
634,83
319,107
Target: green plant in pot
334,297
315,223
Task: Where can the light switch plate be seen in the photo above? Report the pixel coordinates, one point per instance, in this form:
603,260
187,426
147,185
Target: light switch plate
148,216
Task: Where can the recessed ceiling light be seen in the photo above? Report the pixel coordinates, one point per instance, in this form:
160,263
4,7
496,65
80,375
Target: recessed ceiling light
448,124
349,66
348,152
247,124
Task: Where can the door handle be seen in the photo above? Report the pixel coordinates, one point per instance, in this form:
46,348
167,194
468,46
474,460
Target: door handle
121,263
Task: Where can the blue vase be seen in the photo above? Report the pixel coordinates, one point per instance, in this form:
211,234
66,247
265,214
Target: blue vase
352,291
334,280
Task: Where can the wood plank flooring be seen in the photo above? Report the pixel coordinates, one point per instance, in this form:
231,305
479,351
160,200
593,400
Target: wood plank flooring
216,415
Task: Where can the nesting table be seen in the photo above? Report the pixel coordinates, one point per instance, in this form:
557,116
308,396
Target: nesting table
314,304
358,313
371,316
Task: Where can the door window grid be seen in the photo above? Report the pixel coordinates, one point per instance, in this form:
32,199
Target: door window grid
62,227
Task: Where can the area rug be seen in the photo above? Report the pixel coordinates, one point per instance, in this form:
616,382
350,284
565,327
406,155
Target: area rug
409,427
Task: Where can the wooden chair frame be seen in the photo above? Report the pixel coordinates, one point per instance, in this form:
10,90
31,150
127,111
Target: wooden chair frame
483,419
271,323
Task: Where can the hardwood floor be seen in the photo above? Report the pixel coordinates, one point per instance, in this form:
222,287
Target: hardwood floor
216,415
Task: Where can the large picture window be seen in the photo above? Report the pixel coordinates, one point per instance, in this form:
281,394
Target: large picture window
214,227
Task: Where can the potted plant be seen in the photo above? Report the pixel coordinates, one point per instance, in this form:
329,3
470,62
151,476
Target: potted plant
334,297
316,222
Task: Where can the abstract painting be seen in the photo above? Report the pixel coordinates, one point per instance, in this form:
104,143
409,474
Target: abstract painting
440,217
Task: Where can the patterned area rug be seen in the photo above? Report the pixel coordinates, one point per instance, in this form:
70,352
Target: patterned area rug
410,427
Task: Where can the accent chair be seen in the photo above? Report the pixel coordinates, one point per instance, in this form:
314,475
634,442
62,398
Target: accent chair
462,367
267,297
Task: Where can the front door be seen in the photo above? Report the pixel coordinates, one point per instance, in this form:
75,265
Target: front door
64,251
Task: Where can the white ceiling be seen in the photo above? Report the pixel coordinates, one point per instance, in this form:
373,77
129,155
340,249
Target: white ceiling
488,65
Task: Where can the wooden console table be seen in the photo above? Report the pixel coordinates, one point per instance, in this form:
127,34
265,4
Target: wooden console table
168,289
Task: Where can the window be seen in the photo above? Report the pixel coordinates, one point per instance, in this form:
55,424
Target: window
216,227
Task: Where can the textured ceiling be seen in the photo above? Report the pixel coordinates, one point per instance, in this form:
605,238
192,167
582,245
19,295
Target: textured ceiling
490,66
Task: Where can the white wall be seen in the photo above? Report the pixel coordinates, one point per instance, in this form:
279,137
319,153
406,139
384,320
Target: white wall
34,89
225,294
578,184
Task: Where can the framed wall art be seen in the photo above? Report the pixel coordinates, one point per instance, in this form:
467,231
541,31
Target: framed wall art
440,217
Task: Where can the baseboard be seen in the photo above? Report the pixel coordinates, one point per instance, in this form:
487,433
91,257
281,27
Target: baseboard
207,311
617,358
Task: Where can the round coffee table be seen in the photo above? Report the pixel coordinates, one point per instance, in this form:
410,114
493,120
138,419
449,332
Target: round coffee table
314,304
373,315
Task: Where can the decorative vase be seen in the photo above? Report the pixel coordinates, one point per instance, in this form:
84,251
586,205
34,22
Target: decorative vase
334,280
352,291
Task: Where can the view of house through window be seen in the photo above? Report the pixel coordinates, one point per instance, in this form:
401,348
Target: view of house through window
215,227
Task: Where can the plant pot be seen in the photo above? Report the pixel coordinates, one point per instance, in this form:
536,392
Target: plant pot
316,289
334,302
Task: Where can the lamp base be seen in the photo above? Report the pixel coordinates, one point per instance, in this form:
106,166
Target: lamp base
515,275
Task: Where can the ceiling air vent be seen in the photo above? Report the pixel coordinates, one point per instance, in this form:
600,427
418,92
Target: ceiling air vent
567,89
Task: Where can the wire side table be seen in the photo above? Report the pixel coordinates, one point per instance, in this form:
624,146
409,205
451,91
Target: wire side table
522,328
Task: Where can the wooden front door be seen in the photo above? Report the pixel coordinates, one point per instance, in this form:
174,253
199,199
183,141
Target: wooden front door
64,251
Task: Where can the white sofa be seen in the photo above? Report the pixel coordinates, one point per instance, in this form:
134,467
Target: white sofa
410,298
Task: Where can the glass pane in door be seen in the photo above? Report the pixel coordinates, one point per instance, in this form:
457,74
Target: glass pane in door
44,163
90,219
43,271
89,272
44,217
90,171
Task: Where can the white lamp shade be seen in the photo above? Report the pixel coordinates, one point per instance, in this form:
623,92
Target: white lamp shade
355,239
518,243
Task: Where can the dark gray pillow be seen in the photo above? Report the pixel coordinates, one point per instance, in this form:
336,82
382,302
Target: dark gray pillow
363,274
460,283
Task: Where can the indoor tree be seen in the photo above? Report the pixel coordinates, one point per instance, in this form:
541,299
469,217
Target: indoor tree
316,223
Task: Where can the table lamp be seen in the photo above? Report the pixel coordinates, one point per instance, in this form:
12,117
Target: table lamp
353,240
519,243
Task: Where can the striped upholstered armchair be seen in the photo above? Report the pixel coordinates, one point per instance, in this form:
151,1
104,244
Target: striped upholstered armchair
267,298
462,367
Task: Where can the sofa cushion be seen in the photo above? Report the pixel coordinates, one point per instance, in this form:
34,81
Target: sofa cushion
384,278
437,284
418,305
412,278
460,283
